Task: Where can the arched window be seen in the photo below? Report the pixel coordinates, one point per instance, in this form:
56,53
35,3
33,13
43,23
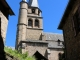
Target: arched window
36,23
30,22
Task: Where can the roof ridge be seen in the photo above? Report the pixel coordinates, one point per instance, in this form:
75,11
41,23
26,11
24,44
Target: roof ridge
52,33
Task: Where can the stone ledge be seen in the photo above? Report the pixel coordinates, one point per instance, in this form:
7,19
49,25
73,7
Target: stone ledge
35,28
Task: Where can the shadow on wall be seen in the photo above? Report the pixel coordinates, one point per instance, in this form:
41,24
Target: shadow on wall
39,56
46,54
61,56
2,53
40,38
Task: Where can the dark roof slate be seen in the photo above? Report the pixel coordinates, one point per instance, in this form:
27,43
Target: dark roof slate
55,45
53,36
5,4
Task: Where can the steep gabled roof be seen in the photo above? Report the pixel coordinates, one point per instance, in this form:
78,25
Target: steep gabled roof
66,13
5,4
53,36
55,45
52,39
33,3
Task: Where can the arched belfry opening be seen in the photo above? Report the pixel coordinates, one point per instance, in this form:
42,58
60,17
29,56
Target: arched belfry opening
36,23
30,22
33,11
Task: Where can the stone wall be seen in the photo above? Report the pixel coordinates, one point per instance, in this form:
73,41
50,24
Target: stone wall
54,54
37,14
4,23
2,53
72,41
34,34
32,47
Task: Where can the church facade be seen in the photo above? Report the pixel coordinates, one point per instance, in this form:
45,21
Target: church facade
30,36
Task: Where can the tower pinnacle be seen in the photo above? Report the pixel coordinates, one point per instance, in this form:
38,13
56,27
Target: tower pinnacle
24,0
22,23
33,3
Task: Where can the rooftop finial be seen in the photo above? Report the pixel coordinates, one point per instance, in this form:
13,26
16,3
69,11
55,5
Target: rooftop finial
33,3
24,0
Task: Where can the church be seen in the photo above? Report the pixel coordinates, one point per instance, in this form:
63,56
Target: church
30,36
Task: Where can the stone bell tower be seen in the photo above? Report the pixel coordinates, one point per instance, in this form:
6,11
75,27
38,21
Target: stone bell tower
30,22
35,24
22,23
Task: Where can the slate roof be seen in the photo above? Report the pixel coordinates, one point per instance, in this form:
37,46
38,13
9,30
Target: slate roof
33,3
51,44
51,40
55,45
53,36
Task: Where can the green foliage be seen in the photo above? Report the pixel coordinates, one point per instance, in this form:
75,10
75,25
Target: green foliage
18,54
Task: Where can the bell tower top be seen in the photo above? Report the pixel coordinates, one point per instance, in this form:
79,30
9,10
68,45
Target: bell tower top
24,0
33,3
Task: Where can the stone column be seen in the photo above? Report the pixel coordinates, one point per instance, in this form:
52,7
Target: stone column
36,11
22,23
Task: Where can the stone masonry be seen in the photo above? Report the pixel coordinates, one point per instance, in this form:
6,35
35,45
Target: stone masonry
54,54
72,41
32,47
30,36
5,11
4,23
22,23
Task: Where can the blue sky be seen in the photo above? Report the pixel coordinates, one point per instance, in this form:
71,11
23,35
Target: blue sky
52,12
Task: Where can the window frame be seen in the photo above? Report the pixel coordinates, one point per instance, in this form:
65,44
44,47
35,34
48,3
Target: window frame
36,23
33,11
30,22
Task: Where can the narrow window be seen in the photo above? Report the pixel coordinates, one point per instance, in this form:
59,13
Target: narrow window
33,10
30,22
38,12
37,23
